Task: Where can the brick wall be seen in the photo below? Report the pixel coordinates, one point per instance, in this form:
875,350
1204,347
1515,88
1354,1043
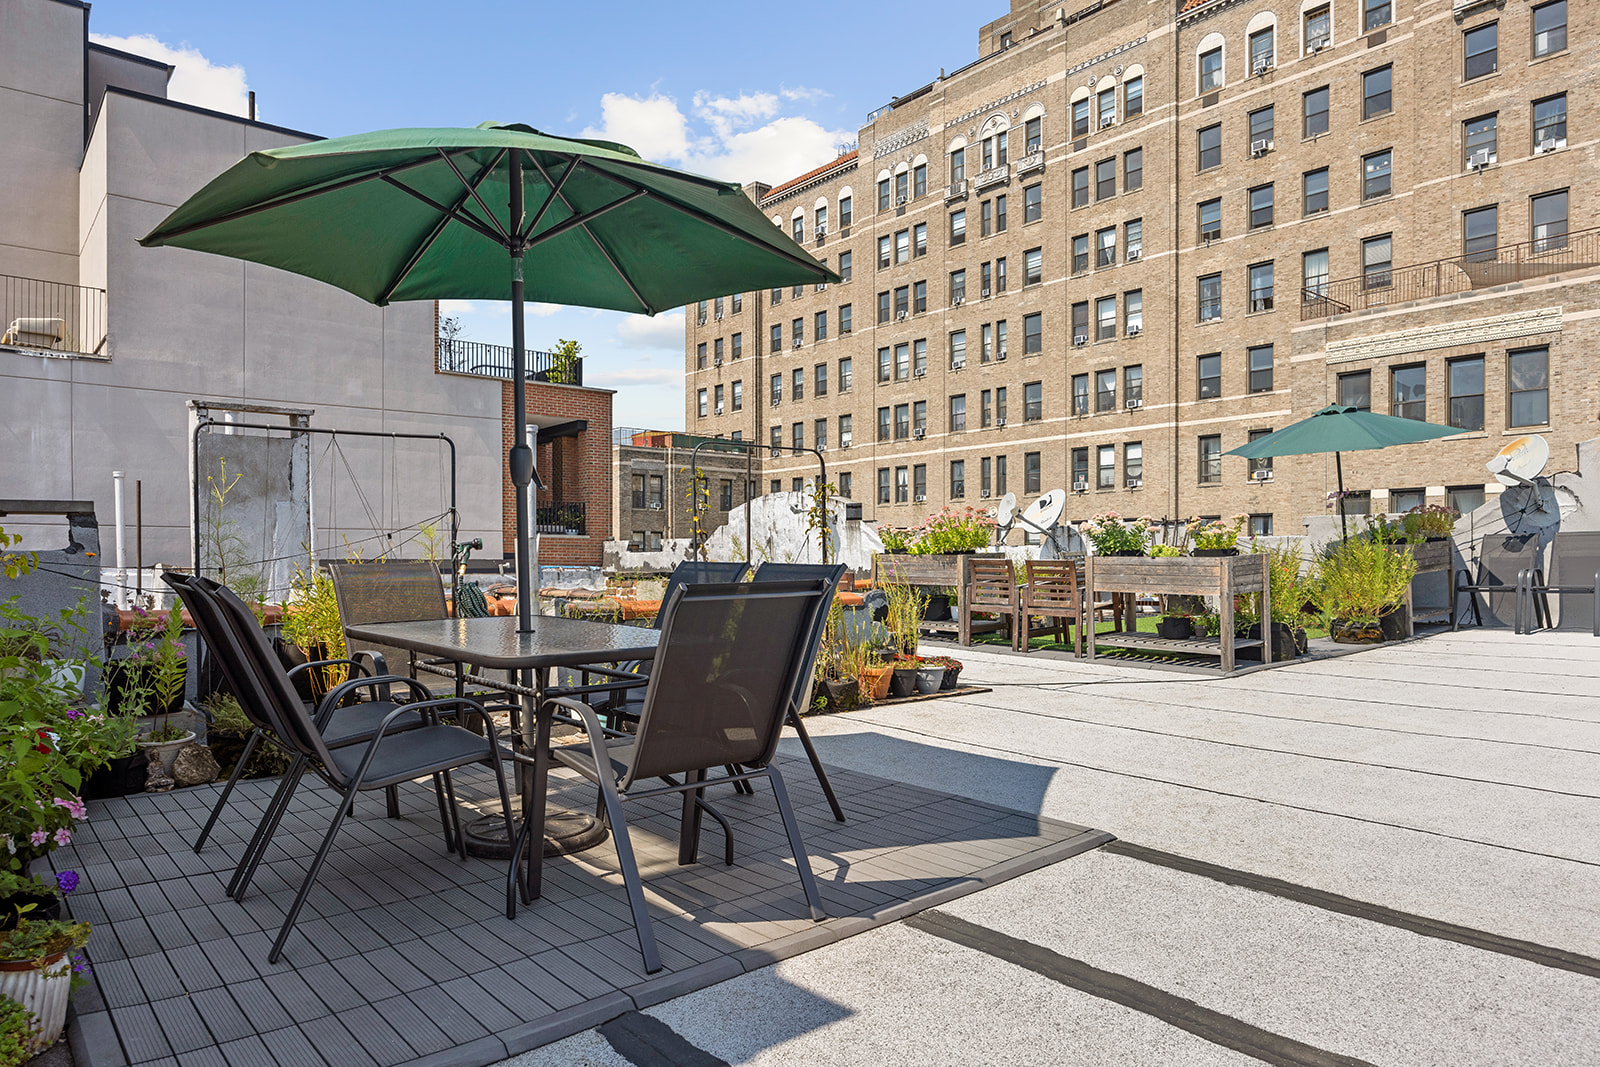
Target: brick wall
574,468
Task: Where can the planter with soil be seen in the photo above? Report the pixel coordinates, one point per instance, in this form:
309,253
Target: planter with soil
1175,627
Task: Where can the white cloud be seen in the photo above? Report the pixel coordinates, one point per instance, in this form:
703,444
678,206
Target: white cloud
653,126
643,332
195,79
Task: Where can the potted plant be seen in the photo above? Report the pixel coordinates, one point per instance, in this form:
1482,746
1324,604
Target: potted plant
1430,522
1112,535
953,530
1216,538
227,732
951,668
36,973
157,671
930,675
1360,583
874,676
1293,588
312,631
904,618
903,681
1175,626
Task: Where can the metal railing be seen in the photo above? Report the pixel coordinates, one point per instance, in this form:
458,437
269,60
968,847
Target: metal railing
568,517
52,317
1555,254
494,361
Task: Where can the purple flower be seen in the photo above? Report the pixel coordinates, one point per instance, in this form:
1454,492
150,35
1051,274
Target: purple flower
80,966
67,881
74,713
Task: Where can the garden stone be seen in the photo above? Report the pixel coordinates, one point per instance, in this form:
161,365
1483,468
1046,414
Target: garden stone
195,765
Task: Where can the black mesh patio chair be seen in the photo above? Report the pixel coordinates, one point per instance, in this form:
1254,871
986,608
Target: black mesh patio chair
720,688
1574,576
1506,564
801,697
424,748
346,726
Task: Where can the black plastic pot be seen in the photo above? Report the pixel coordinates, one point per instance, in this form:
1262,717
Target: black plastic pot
46,905
1175,627
123,776
843,694
1347,633
1287,642
937,609
952,678
1209,552
903,682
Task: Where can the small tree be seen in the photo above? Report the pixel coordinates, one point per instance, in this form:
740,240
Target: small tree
449,330
564,362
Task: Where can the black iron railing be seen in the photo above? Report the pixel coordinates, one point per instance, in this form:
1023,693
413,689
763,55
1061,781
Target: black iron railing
562,518
494,361
52,316
1539,258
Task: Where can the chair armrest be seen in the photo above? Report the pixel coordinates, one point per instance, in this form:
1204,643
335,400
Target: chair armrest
328,663
380,665
337,694
591,726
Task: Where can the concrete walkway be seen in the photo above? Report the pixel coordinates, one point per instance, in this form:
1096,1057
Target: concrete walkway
1386,858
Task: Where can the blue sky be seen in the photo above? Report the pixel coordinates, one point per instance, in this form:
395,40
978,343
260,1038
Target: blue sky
737,91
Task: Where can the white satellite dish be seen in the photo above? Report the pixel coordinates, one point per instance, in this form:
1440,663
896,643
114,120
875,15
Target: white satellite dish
1043,513
1006,513
1519,462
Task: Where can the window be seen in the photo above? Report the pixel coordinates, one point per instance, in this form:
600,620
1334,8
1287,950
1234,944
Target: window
1132,170
1261,525
1210,297
1133,464
1376,259
1211,220
1105,179
1464,384
776,384
844,212
958,479
1550,28
776,339
883,424
718,307
1133,311
1080,469
819,326
1080,253
1106,108
1260,360
1211,70
1033,402
1080,187
1550,121
1409,392
1105,473
1133,237
1105,390
958,227
985,479
1528,374
985,218
1318,28
986,280
1261,51
902,362
1376,13
718,399
919,180
1000,277
958,413
655,499
1000,341
738,396
1105,247
845,433
1210,459
1080,394
1376,174
902,246
1033,267
1210,375
1261,287
1030,472
919,240
1000,475
919,356
819,434
1260,206
919,416
958,165
1480,233
700,356
1316,112
919,297
1080,117
797,332
1032,333
885,251
702,403
958,285
700,314
1482,51
1210,145
902,421
737,346
819,380
1133,97
799,228
902,301
777,448
1550,221
985,409
1377,97
845,485
1314,191
902,485
1261,127
1464,498
883,307
958,349
1133,383
1000,412
1481,140
1355,390
738,303
844,266
844,375
883,485
717,350
1033,136
1314,273
883,195
1105,318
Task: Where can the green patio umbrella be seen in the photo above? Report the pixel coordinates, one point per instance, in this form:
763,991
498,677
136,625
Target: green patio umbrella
1339,429
499,212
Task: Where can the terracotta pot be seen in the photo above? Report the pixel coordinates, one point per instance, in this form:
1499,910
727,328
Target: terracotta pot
877,679
41,986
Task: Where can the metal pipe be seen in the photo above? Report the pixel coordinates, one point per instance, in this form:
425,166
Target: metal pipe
138,537
521,459
122,569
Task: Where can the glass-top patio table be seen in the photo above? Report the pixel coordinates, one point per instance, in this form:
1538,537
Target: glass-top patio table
495,644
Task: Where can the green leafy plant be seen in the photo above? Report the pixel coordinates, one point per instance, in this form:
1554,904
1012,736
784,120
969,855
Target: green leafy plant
904,618
155,672
564,362
17,1026
1110,532
954,529
899,542
1361,579
1165,551
1430,521
223,548
36,940
311,620
817,516
1216,534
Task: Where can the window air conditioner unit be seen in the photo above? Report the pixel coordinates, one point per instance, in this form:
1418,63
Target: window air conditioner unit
1080,486
900,315
1261,65
919,433
1000,357
776,401
922,498
1261,476
986,292
1480,159
1000,420
1135,330
1079,339
719,409
1260,148
984,494
719,316
1316,44
1136,402
1106,124
900,201
844,444
795,344
822,231
821,286
1134,253
1549,144
920,371
656,505
1134,483
958,301
821,447
716,361
958,364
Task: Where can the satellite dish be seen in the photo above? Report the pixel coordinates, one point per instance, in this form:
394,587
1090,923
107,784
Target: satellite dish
1043,513
1006,513
1520,461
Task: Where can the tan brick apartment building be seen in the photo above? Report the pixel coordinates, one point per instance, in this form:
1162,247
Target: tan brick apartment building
1131,237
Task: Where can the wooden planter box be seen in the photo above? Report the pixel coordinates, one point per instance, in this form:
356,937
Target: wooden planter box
941,571
1223,577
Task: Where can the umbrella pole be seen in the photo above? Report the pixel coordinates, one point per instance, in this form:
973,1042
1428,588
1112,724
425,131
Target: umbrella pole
520,459
1338,467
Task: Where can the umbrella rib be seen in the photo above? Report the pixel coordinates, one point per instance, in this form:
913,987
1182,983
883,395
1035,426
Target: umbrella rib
583,220
538,217
459,216
472,188
438,229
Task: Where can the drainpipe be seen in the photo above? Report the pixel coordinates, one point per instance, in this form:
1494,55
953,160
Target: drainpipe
122,569
1175,462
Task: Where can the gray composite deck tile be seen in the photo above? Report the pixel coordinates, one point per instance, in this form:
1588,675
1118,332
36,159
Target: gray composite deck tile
158,978
93,1040
258,1005
381,1039
335,1043
541,983
485,1009
222,1015
140,1033
252,1051
204,1057
457,1023
331,987
119,985
181,1024
194,967
293,1046
413,1024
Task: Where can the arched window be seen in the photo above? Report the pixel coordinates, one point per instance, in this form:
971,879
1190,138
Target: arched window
1209,72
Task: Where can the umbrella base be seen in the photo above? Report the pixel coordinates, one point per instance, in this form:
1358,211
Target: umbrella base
565,832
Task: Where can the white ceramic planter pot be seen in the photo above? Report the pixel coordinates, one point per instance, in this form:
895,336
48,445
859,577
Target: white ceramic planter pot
43,990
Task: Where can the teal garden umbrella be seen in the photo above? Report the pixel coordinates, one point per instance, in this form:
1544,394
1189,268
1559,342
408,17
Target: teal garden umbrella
1339,429
499,212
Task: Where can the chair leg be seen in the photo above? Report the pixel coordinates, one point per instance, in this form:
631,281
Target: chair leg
689,829
339,815
450,843
741,786
630,877
227,790
391,800
816,765
802,861
455,813
251,859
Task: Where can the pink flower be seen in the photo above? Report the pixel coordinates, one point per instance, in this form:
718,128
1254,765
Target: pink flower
63,836
74,807
38,837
